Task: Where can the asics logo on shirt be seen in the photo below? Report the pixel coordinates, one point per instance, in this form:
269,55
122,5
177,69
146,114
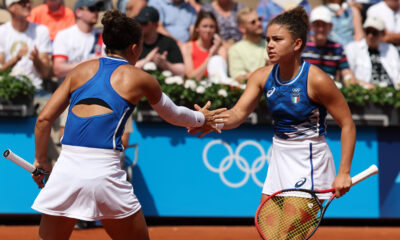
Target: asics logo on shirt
300,182
270,92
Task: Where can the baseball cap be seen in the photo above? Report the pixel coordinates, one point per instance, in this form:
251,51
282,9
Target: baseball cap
374,22
148,14
321,13
87,3
9,2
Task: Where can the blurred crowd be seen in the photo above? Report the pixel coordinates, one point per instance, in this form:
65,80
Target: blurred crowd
355,42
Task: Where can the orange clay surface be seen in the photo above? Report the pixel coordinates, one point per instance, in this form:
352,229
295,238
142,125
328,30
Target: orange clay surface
211,233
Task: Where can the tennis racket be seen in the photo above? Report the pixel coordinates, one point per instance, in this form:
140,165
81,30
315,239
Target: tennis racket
295,214
8,154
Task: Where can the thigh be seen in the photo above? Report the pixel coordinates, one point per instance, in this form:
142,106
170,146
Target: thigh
56,227
132,227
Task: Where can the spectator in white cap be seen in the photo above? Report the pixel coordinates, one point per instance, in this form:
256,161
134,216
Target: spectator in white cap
373,61
324,53
25,46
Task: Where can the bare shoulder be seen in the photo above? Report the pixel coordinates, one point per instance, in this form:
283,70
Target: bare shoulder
320,85
318,77
82,73
261,75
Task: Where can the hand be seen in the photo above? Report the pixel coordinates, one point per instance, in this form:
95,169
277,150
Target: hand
34,56
22,51
39,178
342,184
150,56
217,42
161,60
212,118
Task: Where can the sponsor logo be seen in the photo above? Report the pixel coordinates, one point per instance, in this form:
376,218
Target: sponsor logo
300,182
270,92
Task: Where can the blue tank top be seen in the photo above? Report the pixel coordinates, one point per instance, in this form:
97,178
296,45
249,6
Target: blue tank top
295,115
100,131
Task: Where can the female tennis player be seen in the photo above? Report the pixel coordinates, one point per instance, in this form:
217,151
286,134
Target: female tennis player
298,95
87,182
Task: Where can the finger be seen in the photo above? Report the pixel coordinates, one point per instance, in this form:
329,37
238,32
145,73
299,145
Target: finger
219,110
197,107
204,133
208,104
195,131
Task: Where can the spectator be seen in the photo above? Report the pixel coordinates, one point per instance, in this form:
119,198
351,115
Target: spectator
327,55
346,22
204,55
176,18
79,42
226,13
249,53
157,48
372,60
54,15
132,7
389,12
268,9
25,46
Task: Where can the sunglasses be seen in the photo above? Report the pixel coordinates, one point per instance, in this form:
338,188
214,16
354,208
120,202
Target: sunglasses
372,31
254,21
91,9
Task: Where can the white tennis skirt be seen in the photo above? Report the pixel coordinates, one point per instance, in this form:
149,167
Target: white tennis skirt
306,164
87,184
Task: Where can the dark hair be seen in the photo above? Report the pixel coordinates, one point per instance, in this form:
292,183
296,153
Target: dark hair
120,31
200,16
296,22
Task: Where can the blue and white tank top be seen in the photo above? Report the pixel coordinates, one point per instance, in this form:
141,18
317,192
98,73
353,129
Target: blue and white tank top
295,115
104,130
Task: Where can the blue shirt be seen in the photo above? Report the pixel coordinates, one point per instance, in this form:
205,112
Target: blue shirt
99,131
177,19
295,115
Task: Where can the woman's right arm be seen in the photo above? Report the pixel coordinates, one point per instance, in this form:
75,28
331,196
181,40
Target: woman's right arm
190,72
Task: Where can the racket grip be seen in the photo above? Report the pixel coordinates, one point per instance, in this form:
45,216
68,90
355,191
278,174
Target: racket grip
18,160
373,169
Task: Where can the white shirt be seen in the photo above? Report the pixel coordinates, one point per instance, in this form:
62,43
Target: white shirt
11,42
77,46
360,62
387,15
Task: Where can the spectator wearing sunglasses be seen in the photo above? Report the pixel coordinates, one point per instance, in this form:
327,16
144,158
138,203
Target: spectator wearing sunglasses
54,15
25,46
158,48
250,53
372,60
324,53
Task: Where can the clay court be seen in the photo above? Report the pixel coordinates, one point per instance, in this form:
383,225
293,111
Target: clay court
211,232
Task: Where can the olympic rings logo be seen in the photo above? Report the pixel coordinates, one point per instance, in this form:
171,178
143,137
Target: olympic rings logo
227,162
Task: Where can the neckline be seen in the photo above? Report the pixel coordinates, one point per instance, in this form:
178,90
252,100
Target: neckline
116,58
291,80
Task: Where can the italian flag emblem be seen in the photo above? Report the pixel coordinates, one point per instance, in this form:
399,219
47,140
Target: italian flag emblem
295,99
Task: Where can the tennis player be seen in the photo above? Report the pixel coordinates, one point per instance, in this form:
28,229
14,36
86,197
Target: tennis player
298,95
87,182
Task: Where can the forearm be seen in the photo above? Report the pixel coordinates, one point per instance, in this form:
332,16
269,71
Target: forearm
62,69
198,73
42,135
42,67
348,139
178,115
11,63
177,69
393,38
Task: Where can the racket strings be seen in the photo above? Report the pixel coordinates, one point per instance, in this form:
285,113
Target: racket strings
288,218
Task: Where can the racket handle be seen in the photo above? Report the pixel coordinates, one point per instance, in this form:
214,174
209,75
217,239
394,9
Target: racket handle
373,169
8,154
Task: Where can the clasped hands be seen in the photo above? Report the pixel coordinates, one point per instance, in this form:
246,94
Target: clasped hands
212,119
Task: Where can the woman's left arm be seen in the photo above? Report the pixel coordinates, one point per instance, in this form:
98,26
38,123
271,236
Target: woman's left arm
323,90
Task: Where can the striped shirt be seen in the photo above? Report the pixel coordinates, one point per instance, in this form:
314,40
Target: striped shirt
330,57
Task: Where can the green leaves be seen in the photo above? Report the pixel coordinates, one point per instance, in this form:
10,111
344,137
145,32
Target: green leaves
12,87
